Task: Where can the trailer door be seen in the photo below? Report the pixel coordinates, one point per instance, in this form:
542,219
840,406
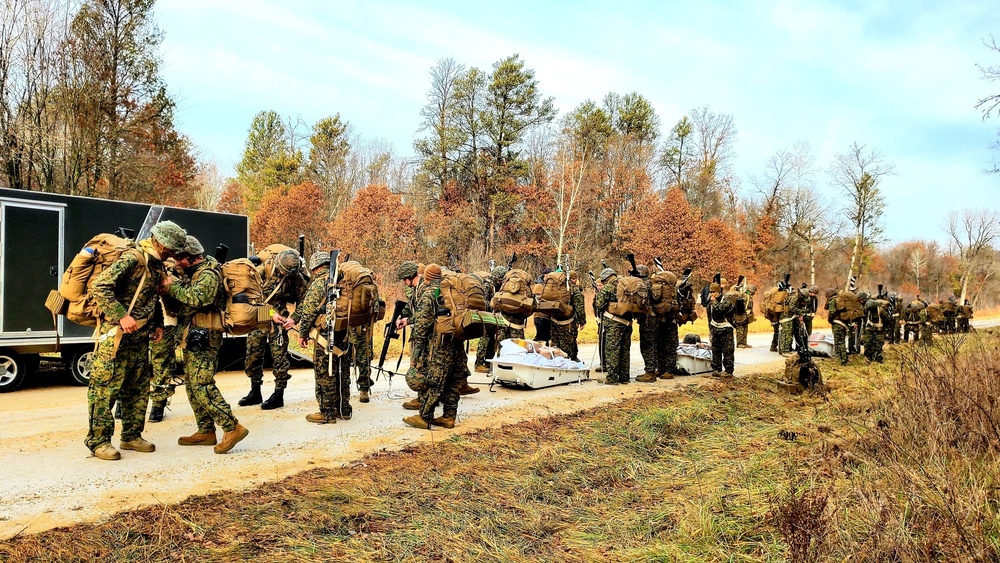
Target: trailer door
31,262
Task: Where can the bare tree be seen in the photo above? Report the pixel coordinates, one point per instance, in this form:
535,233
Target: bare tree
566,184
972,231
917,262
991,103
858,172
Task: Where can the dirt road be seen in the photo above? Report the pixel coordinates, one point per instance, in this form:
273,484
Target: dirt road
50,480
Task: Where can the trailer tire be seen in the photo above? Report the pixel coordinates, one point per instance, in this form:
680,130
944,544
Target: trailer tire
14,368
78,364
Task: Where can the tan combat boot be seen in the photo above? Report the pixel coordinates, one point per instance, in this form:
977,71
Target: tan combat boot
363,396
198,439
445,421
646,378
468,389
320,418
138,445
417,421
482,369
412,405
107,452
231,438
665,375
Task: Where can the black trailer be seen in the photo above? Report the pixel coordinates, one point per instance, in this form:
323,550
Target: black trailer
39,235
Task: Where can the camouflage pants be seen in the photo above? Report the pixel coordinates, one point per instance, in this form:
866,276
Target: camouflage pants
894,332
647,343
723,348
564,338
486,348
617,338
949,323
853,339
257,344
741,330
787,331
333,387
808,321
962,324
209,406
873,339
911,328
926,333
840,342
120,378
163,357
444,378
666,346
503,333
774,338
361,344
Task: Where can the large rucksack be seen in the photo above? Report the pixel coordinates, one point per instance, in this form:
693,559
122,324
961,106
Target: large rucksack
514,296
632,297
773,305
269,252
554,296
849,307
934,313
96,256
246,306
464,298
663,293
358,303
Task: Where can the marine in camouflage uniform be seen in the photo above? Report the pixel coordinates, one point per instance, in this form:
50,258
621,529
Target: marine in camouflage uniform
838,326
963,317
741,323
333,387
648,328
720,310
812,304
203,300
360,338
911,320
435,357
564,333
285,284
873,339
616,332
797,305
926,328
414,286
486,348
121,371
163,358
857,328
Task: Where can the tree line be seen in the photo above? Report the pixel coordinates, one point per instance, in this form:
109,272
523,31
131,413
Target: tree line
495,170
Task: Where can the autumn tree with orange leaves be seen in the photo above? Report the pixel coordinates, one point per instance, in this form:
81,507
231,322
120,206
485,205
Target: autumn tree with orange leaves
377,228
288,211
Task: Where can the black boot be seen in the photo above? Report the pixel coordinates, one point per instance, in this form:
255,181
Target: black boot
253,397
156,414
275,401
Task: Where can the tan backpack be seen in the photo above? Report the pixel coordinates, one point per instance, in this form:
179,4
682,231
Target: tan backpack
773,305
96,256
663,293
632,297
934,313
514,296
358,303
246,306
268,253
554,297
465,300
849,306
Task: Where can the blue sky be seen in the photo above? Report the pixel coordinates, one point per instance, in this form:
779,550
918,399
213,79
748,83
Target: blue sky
898,76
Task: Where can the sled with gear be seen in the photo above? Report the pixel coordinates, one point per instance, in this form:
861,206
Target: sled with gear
531,365
694,356
821,345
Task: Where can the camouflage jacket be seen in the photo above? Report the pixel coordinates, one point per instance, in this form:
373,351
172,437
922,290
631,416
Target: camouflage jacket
203,293
579,306
292,288
721,310
114,288
797,305
607,296
412,296
312,305
423,323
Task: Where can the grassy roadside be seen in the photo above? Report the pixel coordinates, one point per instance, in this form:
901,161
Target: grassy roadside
884,466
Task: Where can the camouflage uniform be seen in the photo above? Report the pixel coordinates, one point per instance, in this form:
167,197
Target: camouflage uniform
360,338
616,334
123,376
839,328
163,357
292,288
796,305
333,391
648,326
926,328
963,317
204,300
564,335
435,357
741,322
488,342
720,316
873,338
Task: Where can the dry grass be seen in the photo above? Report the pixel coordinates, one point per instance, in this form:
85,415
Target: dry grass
880,467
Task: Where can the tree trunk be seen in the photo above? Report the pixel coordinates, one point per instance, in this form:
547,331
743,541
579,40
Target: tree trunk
854,257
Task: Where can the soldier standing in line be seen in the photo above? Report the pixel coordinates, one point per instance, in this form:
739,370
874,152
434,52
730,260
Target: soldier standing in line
436,358
648,329
743,320
413,284
616,331
926,327
876,324
963,316
720,309
796,307
333,389
579,315
284,285
839,326
360,338
487,343
203,299
126,296
812,304
564,332
163,354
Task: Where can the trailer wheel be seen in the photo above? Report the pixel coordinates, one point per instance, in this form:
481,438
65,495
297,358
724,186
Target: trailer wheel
14,368
78,364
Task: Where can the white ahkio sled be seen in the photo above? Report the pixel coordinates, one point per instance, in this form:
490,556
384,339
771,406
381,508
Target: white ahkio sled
531,365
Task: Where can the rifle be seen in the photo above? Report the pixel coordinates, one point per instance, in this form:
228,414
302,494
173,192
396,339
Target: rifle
785,284
221,253
391,333
706,291
492,264
332,294
658,263
302,246
631,260
604,264
741,284
152,218
510,263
